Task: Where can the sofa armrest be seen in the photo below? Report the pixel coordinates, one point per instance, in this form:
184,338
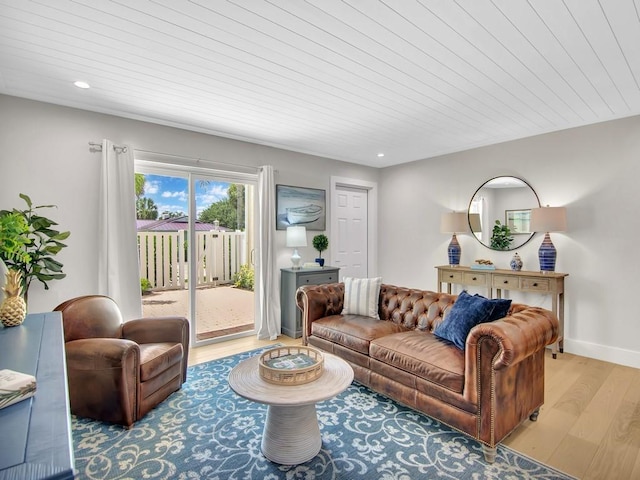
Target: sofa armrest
518,335
318,301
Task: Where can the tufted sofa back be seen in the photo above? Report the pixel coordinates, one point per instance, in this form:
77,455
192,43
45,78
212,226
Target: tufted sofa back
414,309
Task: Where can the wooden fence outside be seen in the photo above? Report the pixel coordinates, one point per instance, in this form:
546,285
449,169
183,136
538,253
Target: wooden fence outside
163,258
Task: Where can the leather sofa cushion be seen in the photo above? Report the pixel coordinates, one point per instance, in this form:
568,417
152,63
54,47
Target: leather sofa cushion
155,358
353,331
423,355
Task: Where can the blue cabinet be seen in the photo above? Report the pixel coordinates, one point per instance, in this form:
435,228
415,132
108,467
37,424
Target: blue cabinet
290,280
36,432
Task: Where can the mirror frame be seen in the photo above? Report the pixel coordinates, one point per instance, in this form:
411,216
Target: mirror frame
521,244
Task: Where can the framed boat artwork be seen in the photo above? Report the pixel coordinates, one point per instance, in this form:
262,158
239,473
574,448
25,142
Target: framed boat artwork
300,206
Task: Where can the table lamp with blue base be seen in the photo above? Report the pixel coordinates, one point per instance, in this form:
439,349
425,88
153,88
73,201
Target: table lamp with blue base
548,219
454,222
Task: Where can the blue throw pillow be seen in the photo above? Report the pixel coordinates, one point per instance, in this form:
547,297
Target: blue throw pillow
467,312
501,307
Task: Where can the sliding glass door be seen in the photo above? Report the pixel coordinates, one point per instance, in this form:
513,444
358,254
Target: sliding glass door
197,249
223,258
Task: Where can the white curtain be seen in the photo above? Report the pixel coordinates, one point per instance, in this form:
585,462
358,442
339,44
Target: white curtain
268,298
118,272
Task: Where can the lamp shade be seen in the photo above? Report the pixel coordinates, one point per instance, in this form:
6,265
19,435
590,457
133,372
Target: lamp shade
474,222
549,219
296,237
454,222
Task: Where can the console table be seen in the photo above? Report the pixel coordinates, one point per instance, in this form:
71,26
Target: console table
36,432
549,283
290,280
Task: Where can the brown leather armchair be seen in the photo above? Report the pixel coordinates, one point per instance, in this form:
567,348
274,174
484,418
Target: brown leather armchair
118,371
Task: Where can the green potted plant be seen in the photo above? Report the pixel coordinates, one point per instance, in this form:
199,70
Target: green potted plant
501,236
31,251
320,243
13,237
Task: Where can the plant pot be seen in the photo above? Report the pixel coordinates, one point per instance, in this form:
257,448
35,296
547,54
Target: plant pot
320,261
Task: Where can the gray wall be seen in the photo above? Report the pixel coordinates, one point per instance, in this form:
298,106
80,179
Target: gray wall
45,154
592,170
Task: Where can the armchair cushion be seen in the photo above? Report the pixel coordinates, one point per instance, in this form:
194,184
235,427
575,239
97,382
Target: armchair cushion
155,358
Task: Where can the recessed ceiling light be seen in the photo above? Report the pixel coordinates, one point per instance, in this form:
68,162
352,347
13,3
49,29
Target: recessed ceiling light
380,155
81,84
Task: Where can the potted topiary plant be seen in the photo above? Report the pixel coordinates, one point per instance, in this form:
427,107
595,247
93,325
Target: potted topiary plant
320,243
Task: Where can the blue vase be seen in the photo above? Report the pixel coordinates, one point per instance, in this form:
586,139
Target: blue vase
454,251
547,255
516,262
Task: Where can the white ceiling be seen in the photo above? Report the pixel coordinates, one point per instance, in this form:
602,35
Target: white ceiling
341,79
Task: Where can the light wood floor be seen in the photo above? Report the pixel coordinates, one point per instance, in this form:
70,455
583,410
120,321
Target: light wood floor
589,426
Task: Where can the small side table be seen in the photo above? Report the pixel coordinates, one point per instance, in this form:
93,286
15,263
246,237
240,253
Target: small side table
290,280
291,433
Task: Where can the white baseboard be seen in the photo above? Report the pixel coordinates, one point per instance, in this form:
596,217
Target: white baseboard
630,358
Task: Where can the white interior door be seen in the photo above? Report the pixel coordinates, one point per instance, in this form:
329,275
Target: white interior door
351,252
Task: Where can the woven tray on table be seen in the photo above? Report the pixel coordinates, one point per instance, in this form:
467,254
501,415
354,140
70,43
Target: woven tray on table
291,365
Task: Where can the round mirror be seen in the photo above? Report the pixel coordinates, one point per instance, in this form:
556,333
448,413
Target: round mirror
500,213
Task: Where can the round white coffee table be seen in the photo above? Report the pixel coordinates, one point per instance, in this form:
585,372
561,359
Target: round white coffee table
291,433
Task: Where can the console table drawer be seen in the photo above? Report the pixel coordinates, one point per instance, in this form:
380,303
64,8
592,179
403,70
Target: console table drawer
506,282
535,284
450,277
475,279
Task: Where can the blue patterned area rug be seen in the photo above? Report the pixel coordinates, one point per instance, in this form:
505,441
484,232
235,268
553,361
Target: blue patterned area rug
205,431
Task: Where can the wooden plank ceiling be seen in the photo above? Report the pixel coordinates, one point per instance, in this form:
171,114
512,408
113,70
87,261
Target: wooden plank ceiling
345,79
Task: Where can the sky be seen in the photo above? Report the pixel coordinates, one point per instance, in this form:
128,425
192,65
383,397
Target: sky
172,193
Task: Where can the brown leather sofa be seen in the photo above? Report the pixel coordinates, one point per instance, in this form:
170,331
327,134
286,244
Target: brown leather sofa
118,371
484,391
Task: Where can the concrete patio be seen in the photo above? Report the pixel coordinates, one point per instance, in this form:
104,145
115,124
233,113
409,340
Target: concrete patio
220,311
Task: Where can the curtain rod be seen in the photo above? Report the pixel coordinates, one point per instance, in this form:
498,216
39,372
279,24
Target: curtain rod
199,160
123,148
98,147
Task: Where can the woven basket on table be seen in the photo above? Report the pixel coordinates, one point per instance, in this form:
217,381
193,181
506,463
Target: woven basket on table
295,376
